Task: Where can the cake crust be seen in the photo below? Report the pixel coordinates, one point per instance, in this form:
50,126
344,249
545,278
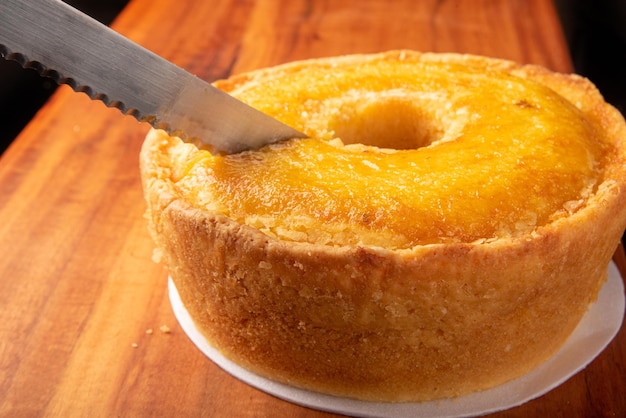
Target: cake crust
404,324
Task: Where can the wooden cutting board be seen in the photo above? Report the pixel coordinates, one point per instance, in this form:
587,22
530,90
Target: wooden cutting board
86,327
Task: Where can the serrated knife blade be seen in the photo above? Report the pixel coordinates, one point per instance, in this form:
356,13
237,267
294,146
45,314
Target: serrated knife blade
72,48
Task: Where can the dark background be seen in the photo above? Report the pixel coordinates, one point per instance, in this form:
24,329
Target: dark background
595,32
23,92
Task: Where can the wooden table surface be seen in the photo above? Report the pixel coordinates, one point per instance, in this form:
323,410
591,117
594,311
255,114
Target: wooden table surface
81,302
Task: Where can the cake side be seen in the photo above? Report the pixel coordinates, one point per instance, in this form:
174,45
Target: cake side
377,326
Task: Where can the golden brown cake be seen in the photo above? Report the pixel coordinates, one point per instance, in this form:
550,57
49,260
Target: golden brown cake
442,231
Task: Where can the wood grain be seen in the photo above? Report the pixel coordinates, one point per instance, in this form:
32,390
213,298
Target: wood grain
79,292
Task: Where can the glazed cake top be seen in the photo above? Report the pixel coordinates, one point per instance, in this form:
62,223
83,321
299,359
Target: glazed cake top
404,149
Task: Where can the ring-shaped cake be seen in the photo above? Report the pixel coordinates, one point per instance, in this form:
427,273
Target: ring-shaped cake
442,230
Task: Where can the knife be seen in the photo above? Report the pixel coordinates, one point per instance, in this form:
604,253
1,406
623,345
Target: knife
70,47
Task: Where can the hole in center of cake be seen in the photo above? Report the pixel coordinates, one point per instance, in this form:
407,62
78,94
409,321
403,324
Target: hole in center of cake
387,122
